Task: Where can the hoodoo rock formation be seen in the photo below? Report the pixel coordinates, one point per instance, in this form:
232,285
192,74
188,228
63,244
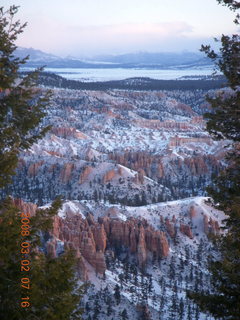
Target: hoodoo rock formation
170,228
178,141
211,226
138,236
67,132
141,249
26,207
33,168
92,239
109,176
84,174
66,172
185,229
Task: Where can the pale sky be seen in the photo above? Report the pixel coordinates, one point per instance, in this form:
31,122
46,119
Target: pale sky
92,27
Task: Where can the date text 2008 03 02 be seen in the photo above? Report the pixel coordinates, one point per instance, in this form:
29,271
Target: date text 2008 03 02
25,260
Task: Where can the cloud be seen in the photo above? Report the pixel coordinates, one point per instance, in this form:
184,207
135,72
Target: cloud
125,37
117,38
132,29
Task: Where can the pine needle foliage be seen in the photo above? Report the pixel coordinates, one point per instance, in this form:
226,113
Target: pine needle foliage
22,105
54,292
223,298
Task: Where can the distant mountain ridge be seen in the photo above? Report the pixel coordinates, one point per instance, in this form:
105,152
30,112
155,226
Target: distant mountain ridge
35,55
159,60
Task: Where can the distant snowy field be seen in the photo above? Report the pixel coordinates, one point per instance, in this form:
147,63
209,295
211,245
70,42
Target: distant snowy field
91,75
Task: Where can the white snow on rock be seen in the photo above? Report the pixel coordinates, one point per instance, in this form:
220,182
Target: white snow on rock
72,207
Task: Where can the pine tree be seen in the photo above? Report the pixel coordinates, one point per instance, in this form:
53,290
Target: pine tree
150,285
33,285
173,312
97,308
53,293
117,294
124,315
223,301
121,279
189,312
162,305
22,105
109,307
10,260
181,309
144,312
